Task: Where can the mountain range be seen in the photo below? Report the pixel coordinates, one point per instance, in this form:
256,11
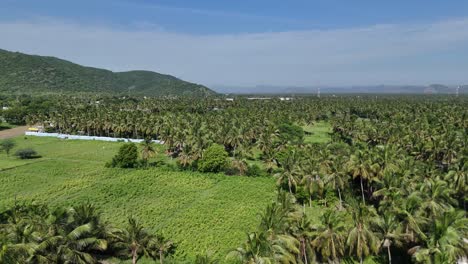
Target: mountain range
371,89
23,73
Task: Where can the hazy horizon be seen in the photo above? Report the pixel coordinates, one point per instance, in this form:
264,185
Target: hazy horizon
309,43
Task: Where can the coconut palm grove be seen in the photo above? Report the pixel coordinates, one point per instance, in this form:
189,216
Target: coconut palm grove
335,179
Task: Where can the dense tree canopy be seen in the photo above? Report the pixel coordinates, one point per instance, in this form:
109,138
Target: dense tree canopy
391,181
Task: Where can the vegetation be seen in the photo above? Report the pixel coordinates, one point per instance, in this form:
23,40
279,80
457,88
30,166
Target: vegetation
198,212
35,74
33,233
214,159
127,157
26,153
4,126
7,145
383,182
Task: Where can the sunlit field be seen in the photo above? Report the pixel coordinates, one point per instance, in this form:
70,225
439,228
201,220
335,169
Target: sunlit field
197,211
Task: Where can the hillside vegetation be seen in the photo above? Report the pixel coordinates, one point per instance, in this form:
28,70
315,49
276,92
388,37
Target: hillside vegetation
29,73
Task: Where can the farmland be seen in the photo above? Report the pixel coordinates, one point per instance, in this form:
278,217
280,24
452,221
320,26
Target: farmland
254,181
198,211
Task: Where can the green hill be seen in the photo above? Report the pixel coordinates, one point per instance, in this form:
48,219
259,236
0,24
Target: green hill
31,74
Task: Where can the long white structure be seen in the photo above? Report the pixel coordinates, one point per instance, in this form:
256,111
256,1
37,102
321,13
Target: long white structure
77,137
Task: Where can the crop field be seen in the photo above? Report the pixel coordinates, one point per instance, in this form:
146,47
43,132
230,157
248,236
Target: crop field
198,211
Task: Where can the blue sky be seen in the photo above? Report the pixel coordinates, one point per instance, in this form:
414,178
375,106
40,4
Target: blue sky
256,42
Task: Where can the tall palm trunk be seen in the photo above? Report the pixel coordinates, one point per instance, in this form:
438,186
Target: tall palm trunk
304,251
341,201
134,256
362,192
289,185
389,255
160,257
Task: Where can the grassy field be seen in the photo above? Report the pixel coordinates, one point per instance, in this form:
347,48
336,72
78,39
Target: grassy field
198,211
320,132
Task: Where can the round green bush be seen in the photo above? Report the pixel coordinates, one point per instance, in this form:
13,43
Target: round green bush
27,153
127,157
215,159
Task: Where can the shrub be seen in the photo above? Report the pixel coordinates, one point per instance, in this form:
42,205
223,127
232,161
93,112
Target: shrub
215,159
229,170
127,157
254,171
237,167
7,145
27,153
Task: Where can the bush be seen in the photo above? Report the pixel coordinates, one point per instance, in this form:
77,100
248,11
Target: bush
215,159
27,154
7,145
127,157
254,171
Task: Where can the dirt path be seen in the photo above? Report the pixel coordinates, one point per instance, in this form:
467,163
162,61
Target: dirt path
14,132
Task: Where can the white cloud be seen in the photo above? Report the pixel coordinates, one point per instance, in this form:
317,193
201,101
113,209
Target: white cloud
391,54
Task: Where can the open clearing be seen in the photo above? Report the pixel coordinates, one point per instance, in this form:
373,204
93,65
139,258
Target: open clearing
198,211
319,132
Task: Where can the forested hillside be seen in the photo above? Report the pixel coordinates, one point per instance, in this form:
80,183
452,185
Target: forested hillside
29,73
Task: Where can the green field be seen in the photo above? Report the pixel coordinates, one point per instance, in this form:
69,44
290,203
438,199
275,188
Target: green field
198,211
320,132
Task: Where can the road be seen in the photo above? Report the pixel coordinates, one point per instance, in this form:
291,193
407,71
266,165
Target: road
14,132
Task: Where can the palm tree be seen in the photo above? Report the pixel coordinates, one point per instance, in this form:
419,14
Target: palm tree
134,240
261,247
446,241
407,211
330,236
437,198
73,247
291,171
392,233
302,230
147,150
362,241
274,220
162,247
206,258
257,249
335,177
360,166
457,177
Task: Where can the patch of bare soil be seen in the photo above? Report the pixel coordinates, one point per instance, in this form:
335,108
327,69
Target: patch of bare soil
13,132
